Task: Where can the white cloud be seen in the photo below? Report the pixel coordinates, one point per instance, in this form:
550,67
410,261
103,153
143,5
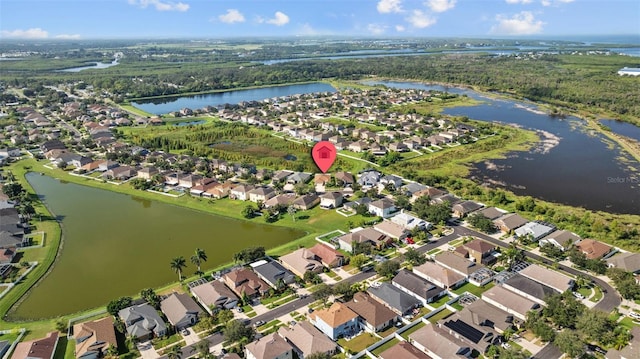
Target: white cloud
68,36
279,19
389,6
33,33
232,16
522,23
546,2
520,1
376,29
400,28
440,5
420,20
557,2
161,5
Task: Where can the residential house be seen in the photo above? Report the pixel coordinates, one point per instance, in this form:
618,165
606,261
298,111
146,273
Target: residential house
430,192
94,337
376,317
244,281
561,239
306,202
535,230
462,209
593,249
478,324
280,176
261,194
403,350
307,339
142,322
439,344
410,222
301,261
418,287
298,177
181,310
548,277
351,206
107,165
270,346
492,213
344,178
394,298
321,179
392,230
328,256
336,321
392,180
509,222
7,255
218,191
369,178
10,152
147,173
43,348
120,173
240,192
510,302
630,262
630,351
528,288
382,208
445,198
331,200
413,187
439,275
203,186
273,273
190,180
457,264
366,235
480,251
358,146
284,199
213,295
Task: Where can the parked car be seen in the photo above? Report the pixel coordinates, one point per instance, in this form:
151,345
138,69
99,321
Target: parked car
239,309
578,295
185,331
260,323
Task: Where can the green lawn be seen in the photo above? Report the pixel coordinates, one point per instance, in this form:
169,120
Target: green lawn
586,291
268,325
164,341
477,291
434,251
358,343
388,331
598,295
440,302
423,311
282,301
457,306
627,323
385,346
441,315
407,332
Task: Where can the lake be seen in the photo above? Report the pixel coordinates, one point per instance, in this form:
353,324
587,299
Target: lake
171,104
96,65
572,165
623,128
116,245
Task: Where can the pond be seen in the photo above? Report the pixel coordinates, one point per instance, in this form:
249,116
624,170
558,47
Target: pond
623,128
571,165
116,245
172,104
96,65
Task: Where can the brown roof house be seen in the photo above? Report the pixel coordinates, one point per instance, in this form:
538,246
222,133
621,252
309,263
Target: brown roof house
328,256
215,294
307,339
37,349
561,239
403,350
331,200
245,281
462,209
306,202
336,321
261,194
392,229
510,222
270,346
439,275
593,249
181,310
301,261
370,235
376,316
509,301
481,251
93,338
440,344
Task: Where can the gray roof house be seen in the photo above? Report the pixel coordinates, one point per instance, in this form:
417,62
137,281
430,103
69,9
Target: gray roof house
534,229
142,321
627,261
181,310
462,209
298,177
529,288
393,180
418,287
369,178
413,187
271,272
214,294
394,298
561,239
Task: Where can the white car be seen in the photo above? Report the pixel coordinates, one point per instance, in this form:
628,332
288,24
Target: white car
578,295
506,345
634,315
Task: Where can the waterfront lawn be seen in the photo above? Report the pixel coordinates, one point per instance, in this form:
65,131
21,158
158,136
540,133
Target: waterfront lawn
358,343
415,328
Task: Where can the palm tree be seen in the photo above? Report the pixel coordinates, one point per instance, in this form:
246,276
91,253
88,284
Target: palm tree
177,264
202,348
198,257
512,255
175,352
111,352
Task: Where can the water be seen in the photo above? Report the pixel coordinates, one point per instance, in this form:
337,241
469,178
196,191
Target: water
116,245
623,128
190,123
171,104
97,65
571,165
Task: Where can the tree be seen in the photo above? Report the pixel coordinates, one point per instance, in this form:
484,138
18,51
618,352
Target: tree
248,211
402,202
552,251
178,264
236,331
111,352
322,293
13,190
198,257
563,309
414,257
595,325
362,248
512,255
225,316
61,165
202,349
482,223
511,353
359,260
116,305
150,296
344,289
27,209
61,325
249,255
569,342
175,352
312,277
388,269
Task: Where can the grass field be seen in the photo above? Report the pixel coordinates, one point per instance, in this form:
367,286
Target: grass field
441,315
358,343
413,329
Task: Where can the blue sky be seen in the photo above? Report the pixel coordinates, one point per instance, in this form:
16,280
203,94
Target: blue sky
89,19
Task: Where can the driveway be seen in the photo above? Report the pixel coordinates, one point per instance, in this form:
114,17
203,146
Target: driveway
147,351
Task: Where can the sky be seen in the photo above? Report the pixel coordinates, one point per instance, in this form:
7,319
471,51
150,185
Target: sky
115,19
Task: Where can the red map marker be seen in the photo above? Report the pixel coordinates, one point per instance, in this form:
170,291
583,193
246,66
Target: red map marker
324,154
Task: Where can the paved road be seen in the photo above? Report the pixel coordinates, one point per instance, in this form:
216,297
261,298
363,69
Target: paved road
549,351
